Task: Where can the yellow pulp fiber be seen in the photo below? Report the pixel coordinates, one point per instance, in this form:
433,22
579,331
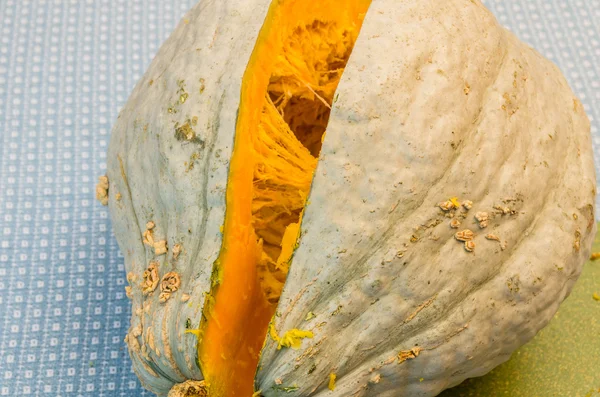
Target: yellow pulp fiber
286,97
294,117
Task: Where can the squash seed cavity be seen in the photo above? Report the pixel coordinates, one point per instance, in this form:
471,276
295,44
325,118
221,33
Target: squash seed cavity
287,94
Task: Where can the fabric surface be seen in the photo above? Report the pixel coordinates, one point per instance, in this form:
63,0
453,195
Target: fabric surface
66,67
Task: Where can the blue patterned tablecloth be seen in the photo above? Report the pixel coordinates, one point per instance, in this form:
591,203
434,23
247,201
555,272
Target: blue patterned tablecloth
66,67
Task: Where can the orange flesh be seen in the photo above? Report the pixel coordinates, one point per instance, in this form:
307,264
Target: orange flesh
286,96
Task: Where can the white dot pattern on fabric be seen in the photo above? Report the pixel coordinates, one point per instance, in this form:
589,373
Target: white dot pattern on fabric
66,68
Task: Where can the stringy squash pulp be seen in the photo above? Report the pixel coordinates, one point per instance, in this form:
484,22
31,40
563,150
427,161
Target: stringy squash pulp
287,93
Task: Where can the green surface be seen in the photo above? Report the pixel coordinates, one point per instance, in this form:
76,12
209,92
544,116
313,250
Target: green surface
563,360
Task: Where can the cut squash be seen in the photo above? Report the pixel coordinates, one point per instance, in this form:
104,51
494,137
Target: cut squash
447,213
286,98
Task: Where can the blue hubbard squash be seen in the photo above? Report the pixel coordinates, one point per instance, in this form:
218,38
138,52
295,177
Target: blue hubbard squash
344,198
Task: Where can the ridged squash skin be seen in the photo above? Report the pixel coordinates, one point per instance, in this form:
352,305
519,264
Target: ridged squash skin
437,101
152,171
